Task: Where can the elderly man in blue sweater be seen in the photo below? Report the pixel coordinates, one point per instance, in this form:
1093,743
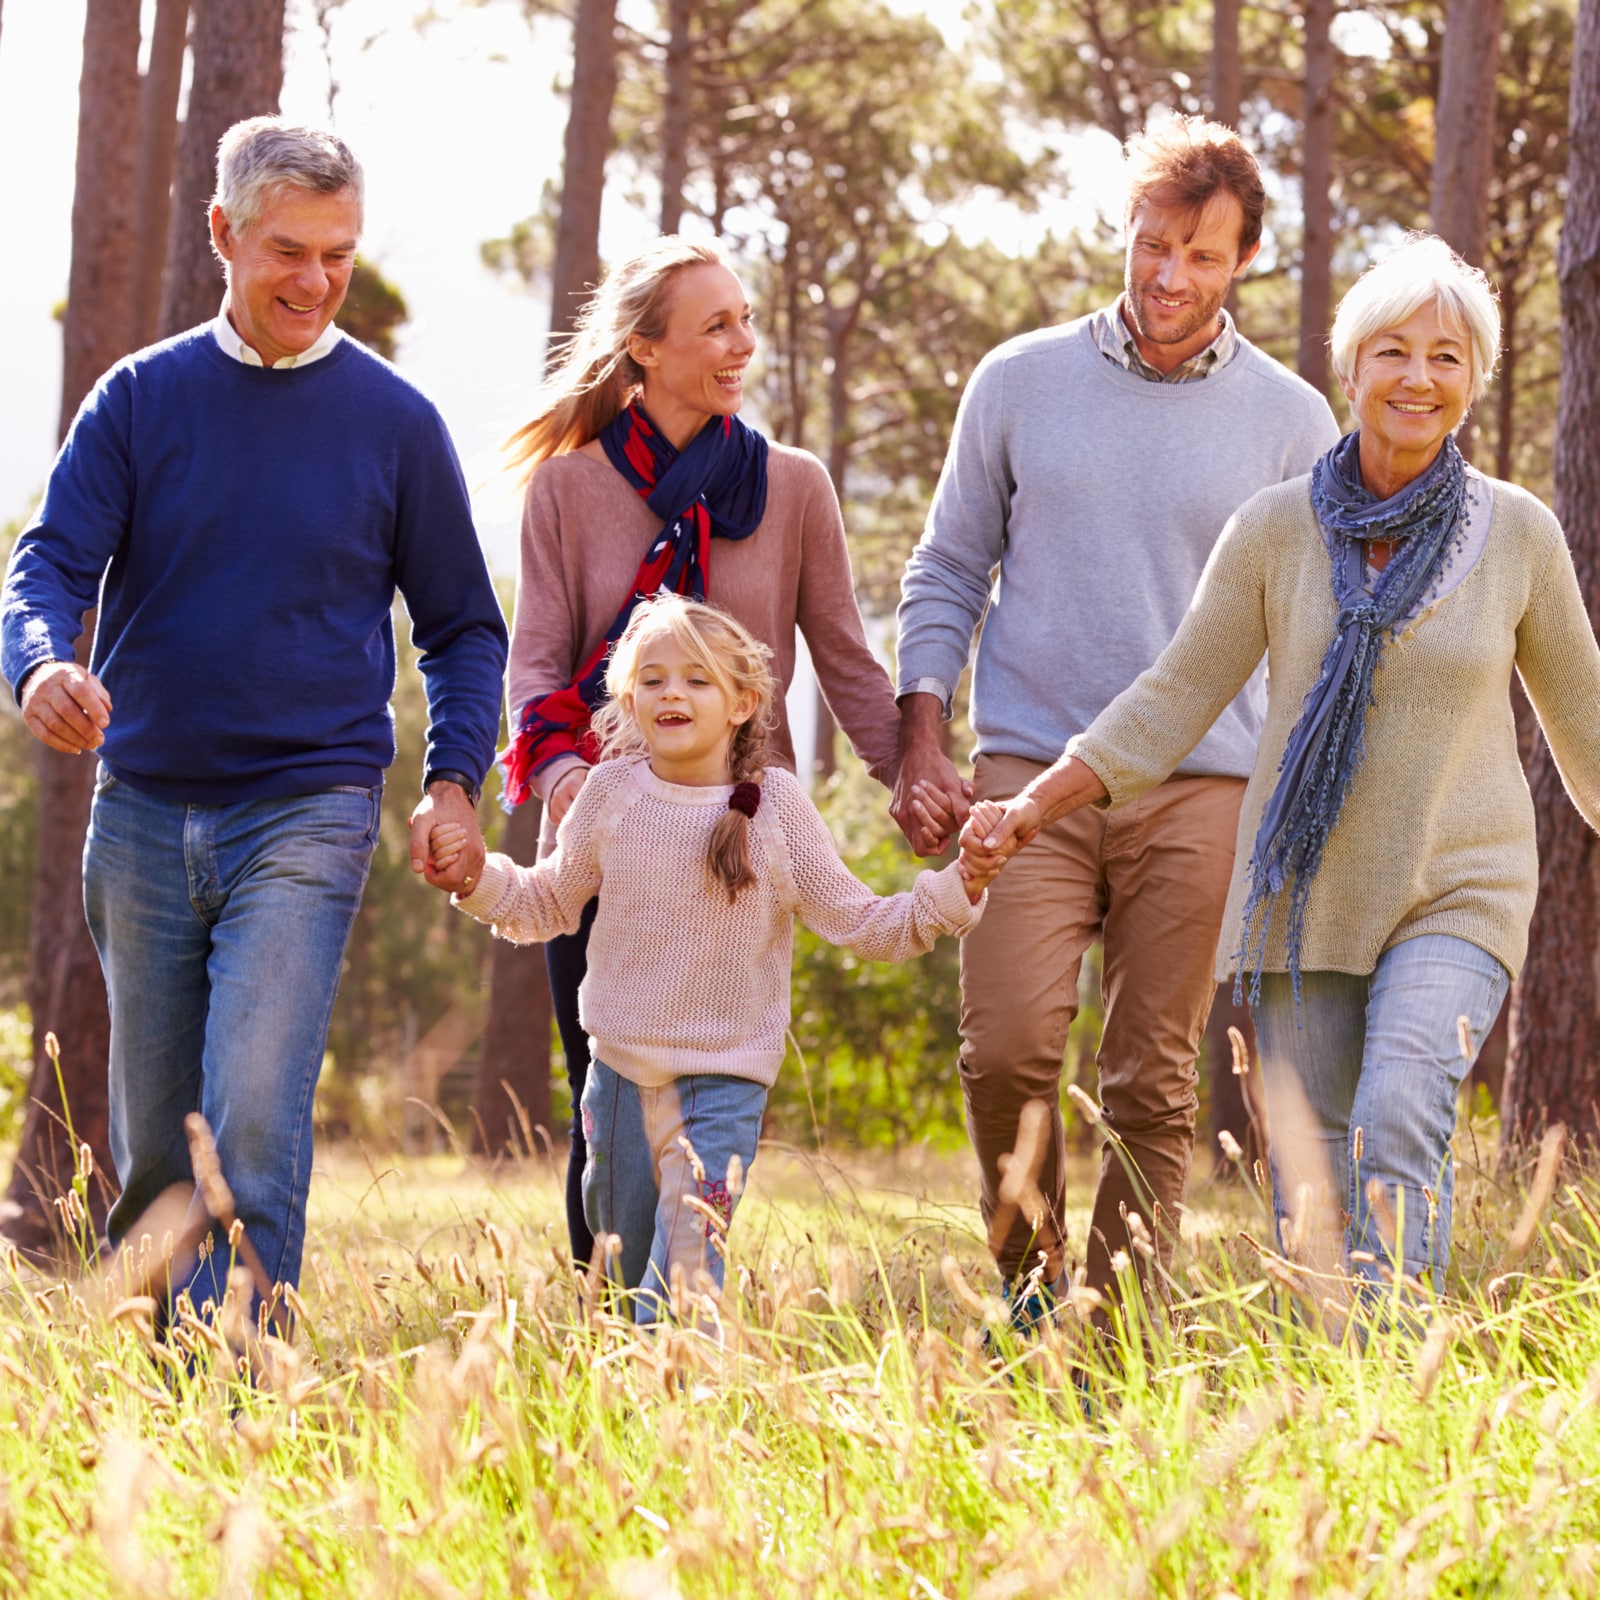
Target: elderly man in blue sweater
1092,470
244,500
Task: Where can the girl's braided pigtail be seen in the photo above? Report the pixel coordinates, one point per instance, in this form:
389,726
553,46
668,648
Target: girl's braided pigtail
728,856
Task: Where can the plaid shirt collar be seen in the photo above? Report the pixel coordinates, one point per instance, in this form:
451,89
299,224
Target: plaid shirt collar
1117,344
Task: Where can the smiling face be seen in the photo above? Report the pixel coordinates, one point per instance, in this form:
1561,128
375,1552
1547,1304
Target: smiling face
1177,273
686,715
695,370
1409,391
289,271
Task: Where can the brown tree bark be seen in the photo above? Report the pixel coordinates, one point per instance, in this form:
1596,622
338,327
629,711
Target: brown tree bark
585,148
1316,252
514,1059
158,147
66,993
1464,137
675,112
1553,1070
516,1035
1464,126
1226,74
238,72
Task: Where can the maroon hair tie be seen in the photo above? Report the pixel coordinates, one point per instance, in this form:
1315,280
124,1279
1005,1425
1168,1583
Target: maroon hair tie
746,797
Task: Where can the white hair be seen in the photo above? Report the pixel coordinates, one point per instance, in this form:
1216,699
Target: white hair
261,154
1424,269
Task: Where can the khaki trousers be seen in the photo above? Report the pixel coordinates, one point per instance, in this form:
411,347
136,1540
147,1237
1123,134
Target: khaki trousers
1150,879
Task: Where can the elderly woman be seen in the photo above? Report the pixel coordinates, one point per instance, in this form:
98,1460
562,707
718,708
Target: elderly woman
1385,873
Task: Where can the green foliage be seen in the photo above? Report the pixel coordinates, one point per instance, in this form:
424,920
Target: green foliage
16,1070
374,310
412,957
877,1041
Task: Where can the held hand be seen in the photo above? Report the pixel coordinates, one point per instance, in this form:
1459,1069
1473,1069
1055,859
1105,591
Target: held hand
931,799
445,808
995,832
445,845
66,707
566,791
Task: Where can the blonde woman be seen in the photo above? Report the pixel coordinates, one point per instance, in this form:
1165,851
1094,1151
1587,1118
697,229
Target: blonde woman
642,477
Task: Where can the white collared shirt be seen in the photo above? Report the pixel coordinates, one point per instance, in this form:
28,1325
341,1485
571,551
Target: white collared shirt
228,337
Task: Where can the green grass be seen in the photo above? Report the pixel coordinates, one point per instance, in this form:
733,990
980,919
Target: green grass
450,1420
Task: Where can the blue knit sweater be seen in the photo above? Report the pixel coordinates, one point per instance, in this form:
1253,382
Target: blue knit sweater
251,527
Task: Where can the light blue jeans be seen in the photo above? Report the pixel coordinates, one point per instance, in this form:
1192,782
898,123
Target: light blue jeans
1361,1080
638,1174
221,931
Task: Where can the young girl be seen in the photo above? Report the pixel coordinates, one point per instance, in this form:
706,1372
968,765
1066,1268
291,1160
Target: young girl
707,855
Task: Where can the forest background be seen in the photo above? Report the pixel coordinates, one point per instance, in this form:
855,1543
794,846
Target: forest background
903,188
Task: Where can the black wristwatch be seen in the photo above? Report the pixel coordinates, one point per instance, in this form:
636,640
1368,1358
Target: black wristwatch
450,775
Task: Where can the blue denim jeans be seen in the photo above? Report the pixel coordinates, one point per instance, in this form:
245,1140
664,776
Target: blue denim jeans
638,1174
1361,1079
221,930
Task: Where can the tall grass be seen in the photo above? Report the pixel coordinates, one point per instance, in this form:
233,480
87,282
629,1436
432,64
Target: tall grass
451,1418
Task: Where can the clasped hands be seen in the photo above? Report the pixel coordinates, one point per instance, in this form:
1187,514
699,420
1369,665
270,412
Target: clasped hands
995,830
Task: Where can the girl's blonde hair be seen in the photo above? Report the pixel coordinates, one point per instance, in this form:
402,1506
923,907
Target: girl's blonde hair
741,665
594,377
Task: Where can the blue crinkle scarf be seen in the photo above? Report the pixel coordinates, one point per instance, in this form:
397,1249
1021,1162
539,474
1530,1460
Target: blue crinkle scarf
1325,749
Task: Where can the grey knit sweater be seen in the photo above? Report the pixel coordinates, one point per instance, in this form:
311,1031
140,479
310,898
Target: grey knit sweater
1098,496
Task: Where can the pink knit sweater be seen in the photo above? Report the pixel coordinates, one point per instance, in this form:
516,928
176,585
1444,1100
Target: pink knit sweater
679,980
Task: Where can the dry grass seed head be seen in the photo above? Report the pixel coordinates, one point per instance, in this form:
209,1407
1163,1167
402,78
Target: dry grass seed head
1551,1150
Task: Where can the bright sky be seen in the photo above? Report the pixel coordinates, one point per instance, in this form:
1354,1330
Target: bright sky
458,128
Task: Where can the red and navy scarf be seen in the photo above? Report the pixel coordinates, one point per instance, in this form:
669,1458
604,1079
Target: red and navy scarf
714,488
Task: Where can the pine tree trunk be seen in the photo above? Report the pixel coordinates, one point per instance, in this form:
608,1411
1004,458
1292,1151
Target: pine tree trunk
238,72
675,112
1553,1071
66,993
1464,138
1316,256
585,149
516,1035
1464,126
1226,76
158,148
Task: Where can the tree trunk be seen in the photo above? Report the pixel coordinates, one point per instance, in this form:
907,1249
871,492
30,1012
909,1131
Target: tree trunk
516,1035
514,1060
1316,253
1464,126
1505,443
1464,137
158,147
675,112
238,72
66,993
1553,1071
1226,75
584,151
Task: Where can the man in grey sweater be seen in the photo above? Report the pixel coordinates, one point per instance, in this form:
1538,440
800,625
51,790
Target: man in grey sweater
1094,465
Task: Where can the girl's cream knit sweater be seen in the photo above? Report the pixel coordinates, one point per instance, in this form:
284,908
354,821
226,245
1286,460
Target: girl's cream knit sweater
1437,834
681,981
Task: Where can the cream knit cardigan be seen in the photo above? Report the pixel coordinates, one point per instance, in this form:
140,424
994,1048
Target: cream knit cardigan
1437,834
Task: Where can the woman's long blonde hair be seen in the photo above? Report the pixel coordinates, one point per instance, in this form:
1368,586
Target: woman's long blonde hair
594,377
741,665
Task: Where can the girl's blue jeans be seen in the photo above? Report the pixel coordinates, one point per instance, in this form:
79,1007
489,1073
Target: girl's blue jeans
1361,1077
638,1173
